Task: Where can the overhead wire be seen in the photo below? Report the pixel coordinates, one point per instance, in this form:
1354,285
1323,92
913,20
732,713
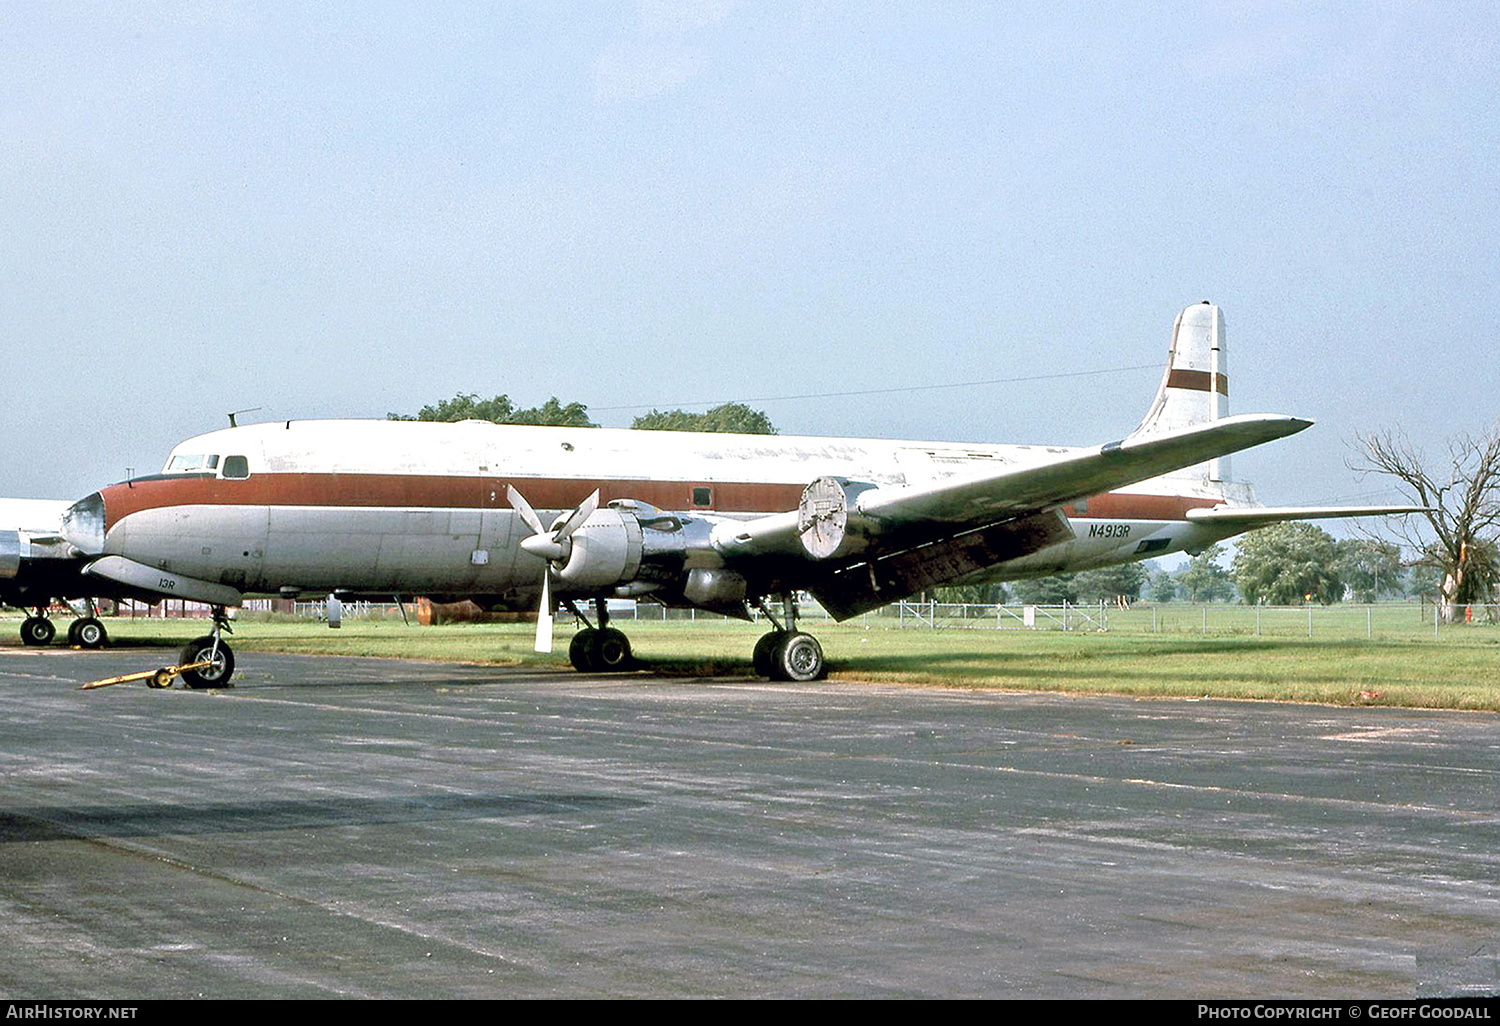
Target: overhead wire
879,391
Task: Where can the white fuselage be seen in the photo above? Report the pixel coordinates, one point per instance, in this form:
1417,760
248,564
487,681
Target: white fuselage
396,507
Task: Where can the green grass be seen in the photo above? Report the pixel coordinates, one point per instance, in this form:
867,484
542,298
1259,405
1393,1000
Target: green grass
1460,670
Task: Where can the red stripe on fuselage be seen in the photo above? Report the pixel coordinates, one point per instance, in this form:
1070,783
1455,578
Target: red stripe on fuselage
434,492
442,492
1125,506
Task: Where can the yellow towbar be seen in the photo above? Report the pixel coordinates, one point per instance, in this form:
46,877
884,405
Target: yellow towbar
161,678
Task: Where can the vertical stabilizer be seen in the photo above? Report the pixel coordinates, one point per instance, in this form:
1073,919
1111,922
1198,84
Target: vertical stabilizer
1195,387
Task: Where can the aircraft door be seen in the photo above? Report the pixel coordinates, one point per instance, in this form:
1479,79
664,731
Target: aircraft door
497,542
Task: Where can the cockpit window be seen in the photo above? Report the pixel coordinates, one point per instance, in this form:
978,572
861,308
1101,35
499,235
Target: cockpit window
190,464
236,467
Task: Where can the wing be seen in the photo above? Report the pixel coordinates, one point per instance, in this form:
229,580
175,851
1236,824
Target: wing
856,547
958,503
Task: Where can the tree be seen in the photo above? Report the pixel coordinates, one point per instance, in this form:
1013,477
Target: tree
1204,579
1369,568
987,594
1161,586
500,410
1046,591
730,417
1111,583
1462,506
1284,564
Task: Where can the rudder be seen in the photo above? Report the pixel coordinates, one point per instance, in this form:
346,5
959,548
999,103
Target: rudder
1195,386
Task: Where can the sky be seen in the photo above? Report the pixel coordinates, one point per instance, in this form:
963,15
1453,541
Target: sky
349,209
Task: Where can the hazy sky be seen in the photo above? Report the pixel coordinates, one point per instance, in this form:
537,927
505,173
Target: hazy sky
346,209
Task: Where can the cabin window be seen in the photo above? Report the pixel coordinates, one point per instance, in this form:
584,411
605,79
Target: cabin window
703,496
236,467
1152,545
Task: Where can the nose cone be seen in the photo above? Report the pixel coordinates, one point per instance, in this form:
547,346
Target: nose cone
83,525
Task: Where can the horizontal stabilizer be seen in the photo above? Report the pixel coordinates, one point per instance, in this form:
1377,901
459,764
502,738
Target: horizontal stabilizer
1247,517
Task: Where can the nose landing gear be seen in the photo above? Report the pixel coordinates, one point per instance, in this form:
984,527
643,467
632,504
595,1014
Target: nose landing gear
213,650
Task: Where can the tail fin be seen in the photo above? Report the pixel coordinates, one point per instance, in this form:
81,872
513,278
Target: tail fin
1195,387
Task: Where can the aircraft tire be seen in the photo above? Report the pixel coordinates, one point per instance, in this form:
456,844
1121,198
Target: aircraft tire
87,633
797,657
762,659
610,651
215,676
580,650
37,630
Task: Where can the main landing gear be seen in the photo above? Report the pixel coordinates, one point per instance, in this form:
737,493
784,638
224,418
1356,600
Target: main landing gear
599,649
210,649
787,653
37,630
85,632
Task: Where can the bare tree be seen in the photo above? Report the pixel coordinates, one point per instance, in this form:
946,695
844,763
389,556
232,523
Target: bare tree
1462,496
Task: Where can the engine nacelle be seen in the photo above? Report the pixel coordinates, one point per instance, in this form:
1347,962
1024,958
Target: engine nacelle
605,551
721,591
828,522
10,553
619,545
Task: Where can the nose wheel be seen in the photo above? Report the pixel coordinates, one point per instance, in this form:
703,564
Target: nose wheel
213,650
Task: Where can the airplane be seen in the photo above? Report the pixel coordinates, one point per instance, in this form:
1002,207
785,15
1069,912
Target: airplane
37,565
518,517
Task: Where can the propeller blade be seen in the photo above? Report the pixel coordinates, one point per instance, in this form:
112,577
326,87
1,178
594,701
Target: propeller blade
520,505
551,546
576,518
544,614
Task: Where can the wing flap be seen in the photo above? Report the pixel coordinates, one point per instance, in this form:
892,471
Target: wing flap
850,590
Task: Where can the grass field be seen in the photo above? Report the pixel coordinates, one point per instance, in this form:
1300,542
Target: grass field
1403,665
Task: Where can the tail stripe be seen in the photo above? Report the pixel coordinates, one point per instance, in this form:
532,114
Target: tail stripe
1198,381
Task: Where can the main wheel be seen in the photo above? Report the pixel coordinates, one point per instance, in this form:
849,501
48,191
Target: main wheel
580,650
37,630
87,633
610,651
214,676
797,657
761,659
